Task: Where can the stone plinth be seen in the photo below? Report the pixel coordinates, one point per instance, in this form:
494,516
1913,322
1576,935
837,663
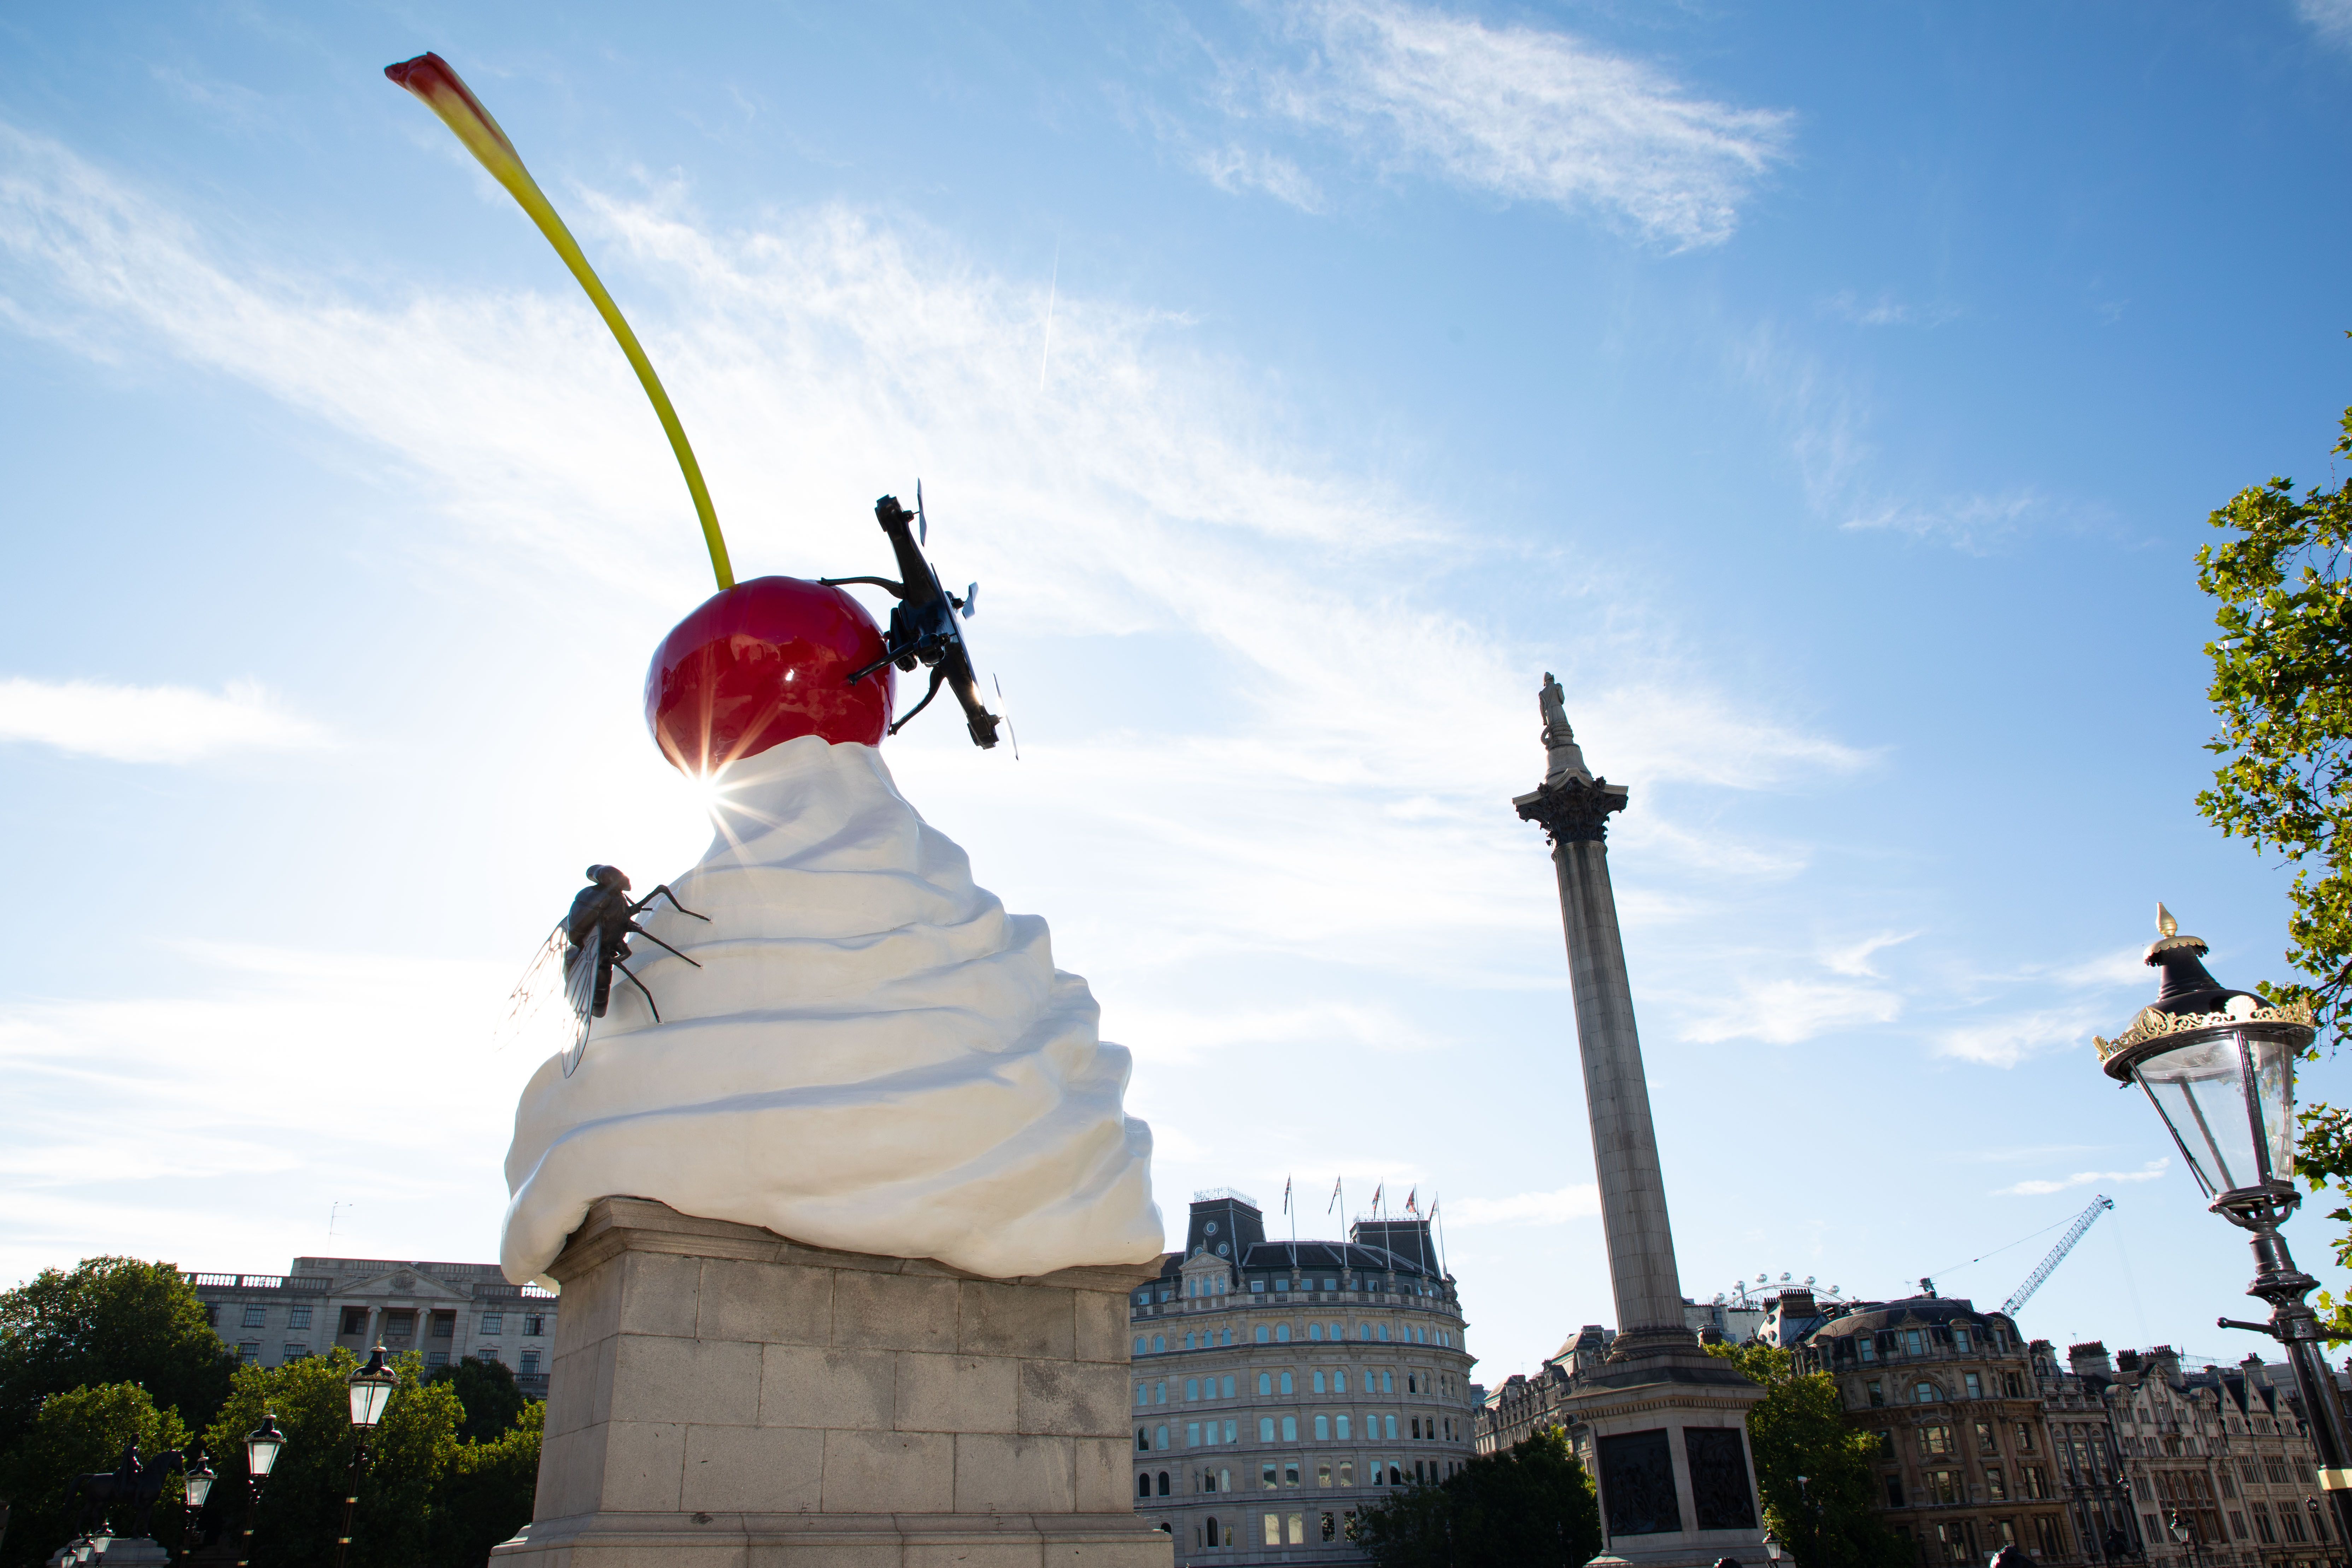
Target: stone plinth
723,1397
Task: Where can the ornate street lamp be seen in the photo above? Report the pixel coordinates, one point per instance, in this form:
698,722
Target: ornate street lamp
261,1448
371,1392
1771,1546
2219,1066
196,1483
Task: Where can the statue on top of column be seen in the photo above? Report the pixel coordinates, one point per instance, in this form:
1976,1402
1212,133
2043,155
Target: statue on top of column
1565,757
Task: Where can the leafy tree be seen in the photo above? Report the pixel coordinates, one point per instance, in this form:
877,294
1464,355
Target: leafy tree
485,1495
111,1319
1531,1505
301,1511
487,1390
80,1432
2283,691
1815,1473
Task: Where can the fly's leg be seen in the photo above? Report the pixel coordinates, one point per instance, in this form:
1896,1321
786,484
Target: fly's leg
641,987
939,674
661,890
657,941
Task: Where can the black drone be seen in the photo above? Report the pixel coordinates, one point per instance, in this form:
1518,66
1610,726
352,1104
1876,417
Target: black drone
581,953
923,623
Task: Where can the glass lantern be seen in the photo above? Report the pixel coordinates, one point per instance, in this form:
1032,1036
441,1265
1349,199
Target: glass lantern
261,1447
198,1479
371,1389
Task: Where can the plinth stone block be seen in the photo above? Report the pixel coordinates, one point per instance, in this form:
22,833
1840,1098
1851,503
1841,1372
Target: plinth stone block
723,1397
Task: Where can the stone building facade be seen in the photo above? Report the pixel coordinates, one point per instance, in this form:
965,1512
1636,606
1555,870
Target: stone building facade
2221,1453
1967,1460
1281,1386
444,1311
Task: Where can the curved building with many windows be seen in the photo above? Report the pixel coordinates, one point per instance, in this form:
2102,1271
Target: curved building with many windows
1281,1385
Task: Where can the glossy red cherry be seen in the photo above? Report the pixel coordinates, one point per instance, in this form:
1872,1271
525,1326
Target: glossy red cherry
761,663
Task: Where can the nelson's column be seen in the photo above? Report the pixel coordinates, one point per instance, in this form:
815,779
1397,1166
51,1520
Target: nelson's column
1662,1424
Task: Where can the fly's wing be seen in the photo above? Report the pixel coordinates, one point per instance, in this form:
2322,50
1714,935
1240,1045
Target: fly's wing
543,1016
580,992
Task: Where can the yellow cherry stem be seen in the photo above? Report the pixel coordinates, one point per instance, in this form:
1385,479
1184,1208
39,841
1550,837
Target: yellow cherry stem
430,77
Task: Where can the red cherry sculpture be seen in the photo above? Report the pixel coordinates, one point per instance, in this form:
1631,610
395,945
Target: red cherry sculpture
761,663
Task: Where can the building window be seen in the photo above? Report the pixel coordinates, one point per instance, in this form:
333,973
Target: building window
1973,1384
1290,1473
1273,1526
1159,1344
1143,1345
1865,1346
2275,1464
1143,1485
1934,1441
1946,1485
1260,1335
1911,1342
400,1325
1228,1388
1877,1391
1347,1467
1163,1483
1159,1438
1286,1382
1392,1431
295,1352
436,1358
2037,1484
1384,1334
1985,1444
1314,1331
1143,1441
1894,1491
1925,1394
1192,1433
1159,1392
529,1367
1290,1428
1232,1427
249,1351
355,1321
534,1325
1388,1385
1265,1383
2253,1472
494,1323
1343,1432
1191,1389
1340,1381
1266,1479
2046,1528
1960,1337
1282,1334
298,1317
1141,1397
488,1353
2024,1438
1297,1529
445,1325
1265,1434
256,1317
1996,1487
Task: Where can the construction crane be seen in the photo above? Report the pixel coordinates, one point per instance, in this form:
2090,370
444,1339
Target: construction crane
2048,1266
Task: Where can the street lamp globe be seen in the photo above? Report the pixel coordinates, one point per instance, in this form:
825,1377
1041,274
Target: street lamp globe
261,1447
371,1389
2218,1065
1771,1546
198,1480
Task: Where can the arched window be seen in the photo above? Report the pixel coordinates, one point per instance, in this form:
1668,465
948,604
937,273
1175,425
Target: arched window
1322,1429
1384,1334
1163,1483
1214,1539
1924,1394
1343,1428
1314,1331
1265,1432
1159,1343
1143,1441
1286,1383
1159,1438
1138,1344
1282,1334
1261,1333
1266,1382
1143,1485
1290,1428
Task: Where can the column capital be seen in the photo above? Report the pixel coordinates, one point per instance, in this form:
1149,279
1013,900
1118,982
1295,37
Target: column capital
1573,811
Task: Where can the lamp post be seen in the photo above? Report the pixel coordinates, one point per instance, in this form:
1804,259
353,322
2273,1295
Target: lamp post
371,1392
261,1448
196,1484
2218,1065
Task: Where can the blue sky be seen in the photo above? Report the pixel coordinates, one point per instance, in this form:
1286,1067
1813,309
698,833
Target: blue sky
1833,396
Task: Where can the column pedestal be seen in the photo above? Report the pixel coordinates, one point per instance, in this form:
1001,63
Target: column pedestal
723,1397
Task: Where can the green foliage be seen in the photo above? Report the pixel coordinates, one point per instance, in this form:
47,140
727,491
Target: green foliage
1531,1505
1798,1428
2283,691
302,1510
487,1391
111,1319
83,1431
485,1495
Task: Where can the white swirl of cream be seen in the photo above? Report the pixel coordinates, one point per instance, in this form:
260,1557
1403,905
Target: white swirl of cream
874,1056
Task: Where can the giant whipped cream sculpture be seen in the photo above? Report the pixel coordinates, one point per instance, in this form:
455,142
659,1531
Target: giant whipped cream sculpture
857,1047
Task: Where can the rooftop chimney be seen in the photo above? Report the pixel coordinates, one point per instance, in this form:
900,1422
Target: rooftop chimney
2090,1358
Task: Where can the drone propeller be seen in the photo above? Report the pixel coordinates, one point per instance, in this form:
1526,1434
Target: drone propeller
972,601
1004,708
922,524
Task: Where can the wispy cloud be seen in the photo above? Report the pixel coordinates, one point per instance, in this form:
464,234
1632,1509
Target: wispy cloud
1971,522
1853,958
2331,19
149,723
1232,168
812,355
1883,310
1787,1011
1580,1201
2005,1042
2035,1189
1521,112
